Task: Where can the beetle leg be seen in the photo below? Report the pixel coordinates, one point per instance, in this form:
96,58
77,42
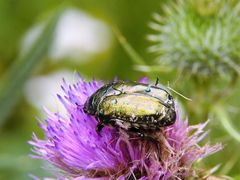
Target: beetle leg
99,127
149,138
138,132
156,143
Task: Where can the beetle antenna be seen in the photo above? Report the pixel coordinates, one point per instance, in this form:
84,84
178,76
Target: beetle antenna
178,93
157,80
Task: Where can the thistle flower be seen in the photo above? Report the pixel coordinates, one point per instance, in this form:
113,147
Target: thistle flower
198,36
72,144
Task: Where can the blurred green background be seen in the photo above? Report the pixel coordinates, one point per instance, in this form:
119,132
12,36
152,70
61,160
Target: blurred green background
77,36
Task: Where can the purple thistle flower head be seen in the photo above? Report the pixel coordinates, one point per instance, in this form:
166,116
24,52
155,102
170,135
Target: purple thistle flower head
72,144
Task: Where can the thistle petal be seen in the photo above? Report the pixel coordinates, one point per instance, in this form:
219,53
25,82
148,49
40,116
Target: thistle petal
72,144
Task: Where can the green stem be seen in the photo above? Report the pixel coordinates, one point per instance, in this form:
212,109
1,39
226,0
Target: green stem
131,52
137,59
227,90
14,79
230,163
152,68
222,115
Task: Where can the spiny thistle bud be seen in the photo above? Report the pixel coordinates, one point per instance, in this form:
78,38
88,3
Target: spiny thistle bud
198,36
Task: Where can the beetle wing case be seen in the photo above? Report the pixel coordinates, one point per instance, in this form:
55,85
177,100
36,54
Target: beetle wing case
144,106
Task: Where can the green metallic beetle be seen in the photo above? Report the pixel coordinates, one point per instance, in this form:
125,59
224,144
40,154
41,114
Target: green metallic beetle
132,106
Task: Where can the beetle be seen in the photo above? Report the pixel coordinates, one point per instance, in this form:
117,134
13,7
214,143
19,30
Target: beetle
133,106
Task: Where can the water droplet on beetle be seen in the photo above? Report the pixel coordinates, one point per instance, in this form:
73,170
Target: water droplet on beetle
101,112
148,89
114,101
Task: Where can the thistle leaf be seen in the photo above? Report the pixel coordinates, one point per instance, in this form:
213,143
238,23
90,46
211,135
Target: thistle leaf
14,79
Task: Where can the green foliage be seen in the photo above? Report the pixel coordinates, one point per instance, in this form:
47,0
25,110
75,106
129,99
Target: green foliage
18,73
222,114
